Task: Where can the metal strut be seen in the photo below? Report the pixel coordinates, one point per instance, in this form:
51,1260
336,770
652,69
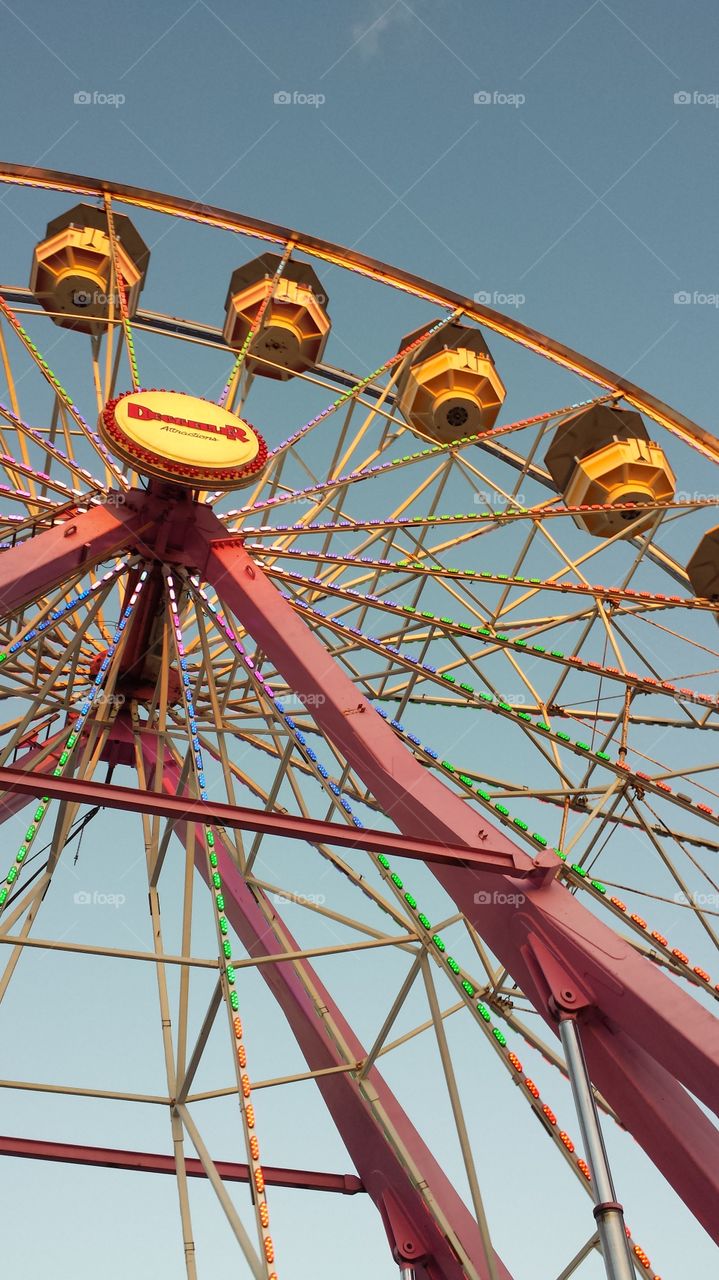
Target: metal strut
608,1213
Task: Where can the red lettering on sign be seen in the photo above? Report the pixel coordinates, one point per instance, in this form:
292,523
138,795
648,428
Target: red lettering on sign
142,413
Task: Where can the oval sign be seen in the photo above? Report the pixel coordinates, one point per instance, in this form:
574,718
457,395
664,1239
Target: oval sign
183,438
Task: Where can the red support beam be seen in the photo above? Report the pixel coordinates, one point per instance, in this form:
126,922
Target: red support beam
397,1169
649,1044
12,801
537,929
44,562
345,1184
111,796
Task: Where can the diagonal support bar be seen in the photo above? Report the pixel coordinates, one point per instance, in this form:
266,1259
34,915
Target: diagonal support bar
40,758
178,807
36,566
345,1184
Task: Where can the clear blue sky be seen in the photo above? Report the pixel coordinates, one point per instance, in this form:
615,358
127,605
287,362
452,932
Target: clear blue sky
582,189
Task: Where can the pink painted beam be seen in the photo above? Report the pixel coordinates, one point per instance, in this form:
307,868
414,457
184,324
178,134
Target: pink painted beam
32,568
12,801
625,991
345,1184
382,1168
391,1158
626,994
14,781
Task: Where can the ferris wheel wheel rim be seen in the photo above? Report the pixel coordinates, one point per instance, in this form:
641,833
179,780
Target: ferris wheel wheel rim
363,264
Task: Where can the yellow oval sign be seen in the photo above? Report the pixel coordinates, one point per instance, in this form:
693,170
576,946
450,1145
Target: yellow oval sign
183,438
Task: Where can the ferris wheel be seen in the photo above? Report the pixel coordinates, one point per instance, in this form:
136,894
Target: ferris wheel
395,680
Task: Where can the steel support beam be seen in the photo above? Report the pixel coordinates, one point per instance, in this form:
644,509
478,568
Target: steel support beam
14,782
346,1184
608,1213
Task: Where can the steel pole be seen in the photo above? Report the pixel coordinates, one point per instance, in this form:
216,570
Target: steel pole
608,1213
